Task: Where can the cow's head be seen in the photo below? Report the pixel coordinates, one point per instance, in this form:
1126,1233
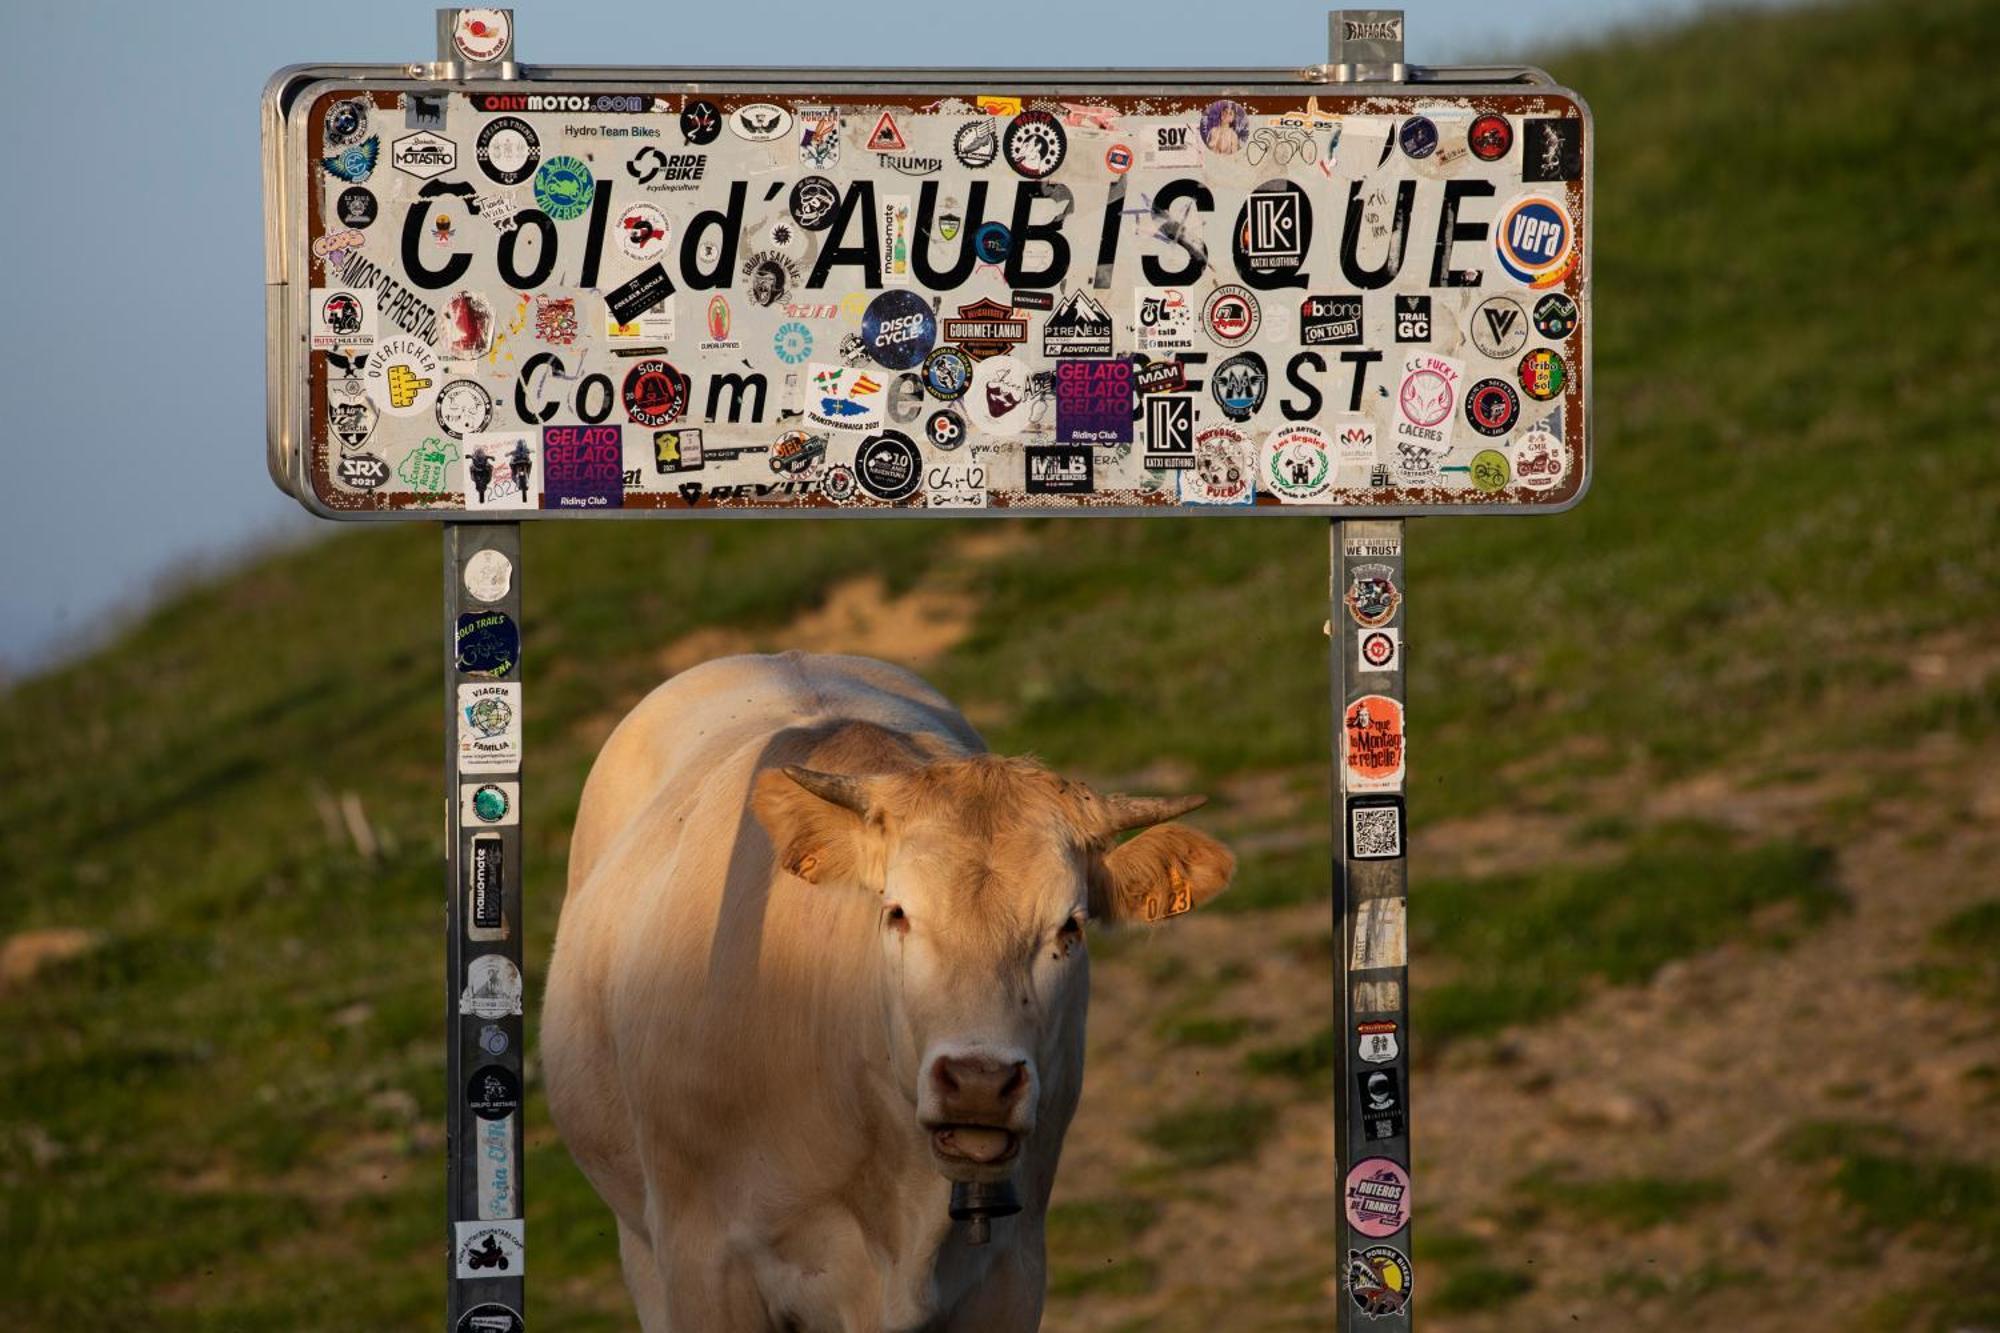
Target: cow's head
988,871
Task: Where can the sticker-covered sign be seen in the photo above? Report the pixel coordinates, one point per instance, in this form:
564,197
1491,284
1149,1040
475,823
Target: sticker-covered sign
1369,301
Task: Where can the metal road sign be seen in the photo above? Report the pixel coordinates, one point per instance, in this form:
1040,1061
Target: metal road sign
659,291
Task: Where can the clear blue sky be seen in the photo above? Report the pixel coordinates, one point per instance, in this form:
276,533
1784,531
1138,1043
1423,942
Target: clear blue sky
131,357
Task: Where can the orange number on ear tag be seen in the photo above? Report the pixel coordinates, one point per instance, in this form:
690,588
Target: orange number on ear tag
1180,895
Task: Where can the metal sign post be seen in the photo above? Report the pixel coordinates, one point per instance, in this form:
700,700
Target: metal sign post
1357,291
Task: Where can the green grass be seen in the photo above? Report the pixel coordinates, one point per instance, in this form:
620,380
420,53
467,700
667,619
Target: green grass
1211,1133
1795,485
1630,1203
1963,961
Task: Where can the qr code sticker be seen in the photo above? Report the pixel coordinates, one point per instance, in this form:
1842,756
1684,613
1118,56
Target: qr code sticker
1376,832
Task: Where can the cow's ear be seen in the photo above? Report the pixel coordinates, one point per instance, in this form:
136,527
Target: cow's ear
1165,871
822,825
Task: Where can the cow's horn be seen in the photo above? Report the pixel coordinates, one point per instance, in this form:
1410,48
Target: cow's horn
837,788
1130,812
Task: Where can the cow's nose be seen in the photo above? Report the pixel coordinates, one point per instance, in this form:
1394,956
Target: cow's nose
976,1089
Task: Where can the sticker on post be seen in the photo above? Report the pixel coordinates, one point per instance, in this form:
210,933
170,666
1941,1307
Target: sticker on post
488,576
486,913
1375,828
1380,1281
1372,743
1378,997
488,645
493,1150
492,1249
492,988
1378,1197
1375,1041
1379,1096
489,728
491,1317
1379,650
495,804
1381,937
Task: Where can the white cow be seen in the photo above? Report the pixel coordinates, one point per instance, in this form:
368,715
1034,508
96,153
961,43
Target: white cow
821,957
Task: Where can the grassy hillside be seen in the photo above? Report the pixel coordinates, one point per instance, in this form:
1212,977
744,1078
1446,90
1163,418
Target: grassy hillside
1705,773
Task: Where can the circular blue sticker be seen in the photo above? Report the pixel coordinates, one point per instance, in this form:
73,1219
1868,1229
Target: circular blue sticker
898,328
992,242
1419,137
564,188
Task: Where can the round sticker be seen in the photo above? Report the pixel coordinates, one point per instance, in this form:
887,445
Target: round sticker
464,408
507,150
1540,460
796,453
1238,385
888,466
356,207
945,429
402,376
1556,316
1535,241
813,203
1222,471
899,329
1492,407
1298,463
1380,1281
793,342
346,123
564,188
1499,327
1372,596
998,400
488,575
642,232
1224,126
1378,650
490,803
1490,138
947,373
1543,374
488,646
1377,1197
1118,159
992,242
655,393
481,34
701,122
491,1317
760,122
977,144
1425,395
1231,315
1034,144
494,1092
1418,137
1490,471
838,483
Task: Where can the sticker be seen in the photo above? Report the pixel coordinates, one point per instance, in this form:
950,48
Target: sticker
1551,150
843,398
425,466
489,728
1490,471
701,123
346,123
1160,377
977,144
1535,241
488,887
813,203
1077,326
655,394
992,242
1223,472
354,164
899,328
1540,460
1492,407
895,239
1378,997
1418,137
1238,385
1372,742
1380,1281
1173,146
1325,320
1379,1097
1377,1197
493,1092
342,318
402,376
1118,159
1375,1042
947,373
1272,230
1499,327
650,289
1426,403
492,1249
1034,144
886,137
463,408
356,207
955,486
819,138
1543,375
423,155
1490,138
985,328
492,987
493,803
888,466
1166,319
493,1039
488,576
1356,440
482,34
1059,469
1094,401
487,644
507,150
1379,649
793,342
564,188
501,473
1298,464
493,1151
556,321
677,451
1556,316
760,122
363,472
491,1317
584,466
1224,126
1380,937
642,232
1231,315
998,400
945,429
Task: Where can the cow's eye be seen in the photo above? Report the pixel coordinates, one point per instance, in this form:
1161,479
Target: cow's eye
1071,934
897,920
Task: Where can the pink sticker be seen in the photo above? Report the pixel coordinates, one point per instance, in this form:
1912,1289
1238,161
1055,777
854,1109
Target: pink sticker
1378,1197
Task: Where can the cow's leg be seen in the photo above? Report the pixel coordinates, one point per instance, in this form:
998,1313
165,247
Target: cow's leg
642,1279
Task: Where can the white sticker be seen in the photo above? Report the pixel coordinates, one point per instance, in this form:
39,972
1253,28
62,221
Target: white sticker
896,239
502,470
844,398
999,401
489,804
492,1249
1379,650
481,34
1540,460
955,486
1174,145
489,727
342,317
642,232
1376,1042
492,987
1379,935
488,575
1427,405
1298,464
494,1150
402,376
1165,319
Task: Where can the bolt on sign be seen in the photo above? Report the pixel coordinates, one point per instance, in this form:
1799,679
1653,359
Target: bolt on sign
582,295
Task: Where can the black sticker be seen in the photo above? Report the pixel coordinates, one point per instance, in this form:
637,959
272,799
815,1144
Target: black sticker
356,207
1551,150
1375,827
814,202
1059,469
489,883
491,1318
1413,319
646,290
889,466
1379,1097
701,122
1330,319
494,1093
488,644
